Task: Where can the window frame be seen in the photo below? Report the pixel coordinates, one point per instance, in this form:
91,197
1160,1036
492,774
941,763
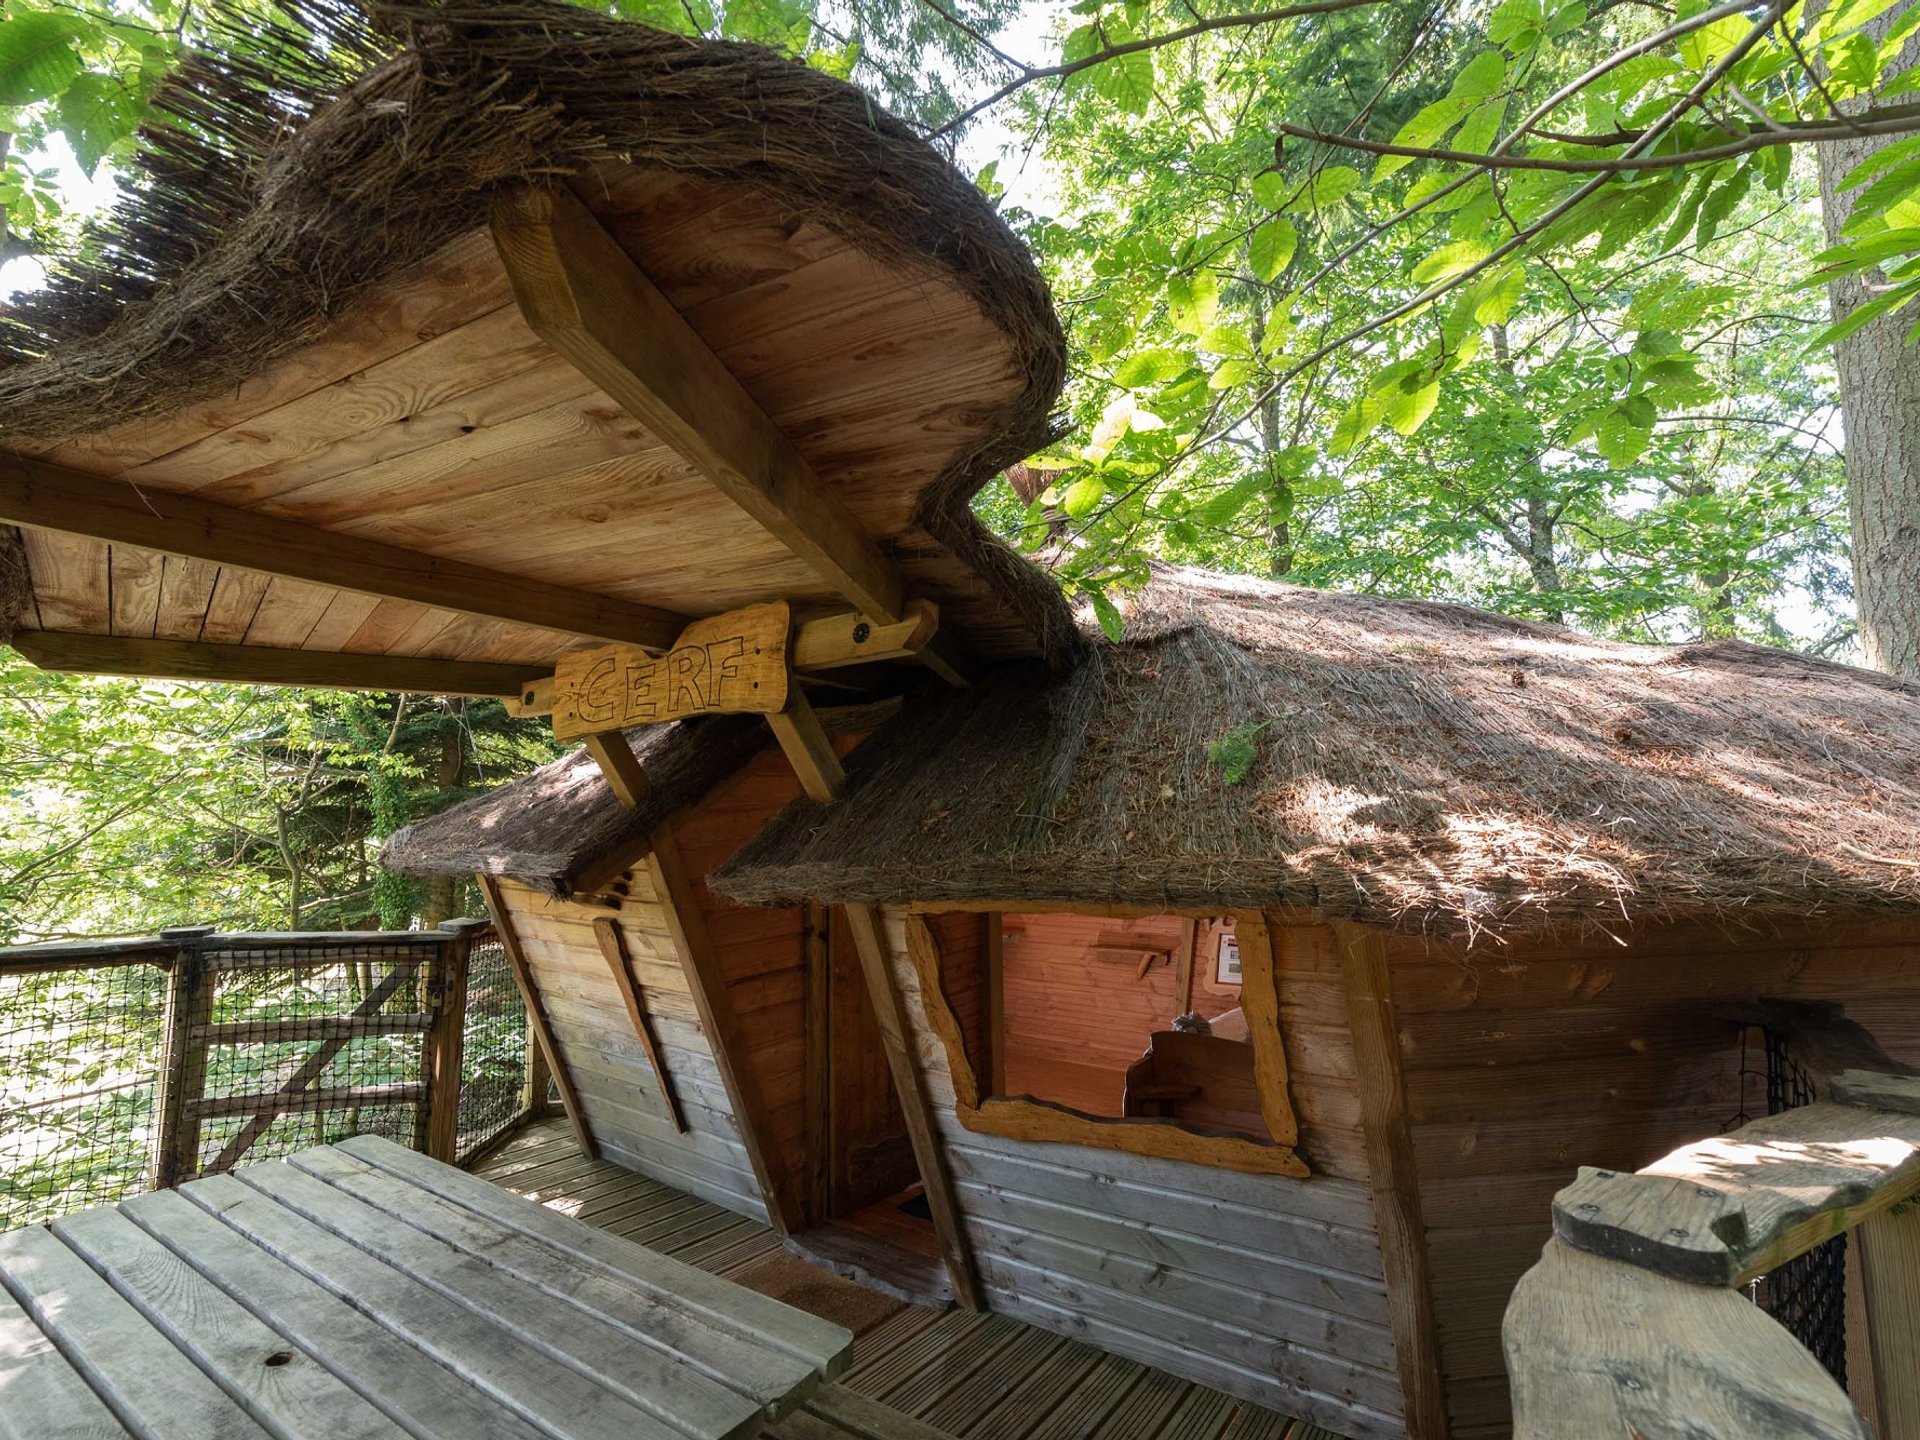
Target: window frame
1041,1121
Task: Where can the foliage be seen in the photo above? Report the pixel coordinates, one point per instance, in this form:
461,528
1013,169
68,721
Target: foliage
1350,370
129,806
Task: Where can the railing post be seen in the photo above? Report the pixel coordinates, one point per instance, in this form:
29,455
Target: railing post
183,1058
438,1133
1889,1246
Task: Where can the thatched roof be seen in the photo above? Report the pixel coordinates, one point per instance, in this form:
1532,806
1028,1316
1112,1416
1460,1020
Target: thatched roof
341,148
1421,766
548,827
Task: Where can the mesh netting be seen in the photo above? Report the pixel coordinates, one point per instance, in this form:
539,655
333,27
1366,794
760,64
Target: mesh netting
1808,1294
493,1071
309,1044
254,1045
79,1059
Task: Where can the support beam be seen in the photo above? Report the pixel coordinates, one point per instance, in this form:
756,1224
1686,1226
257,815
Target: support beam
537,1020
258,665
808,749
613,949
1394,1173
619,767
687,928
583,295
897,1035
43,496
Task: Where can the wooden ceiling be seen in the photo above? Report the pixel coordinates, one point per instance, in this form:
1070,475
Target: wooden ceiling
431,447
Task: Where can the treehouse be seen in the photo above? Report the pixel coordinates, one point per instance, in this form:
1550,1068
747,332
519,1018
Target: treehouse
1220,1020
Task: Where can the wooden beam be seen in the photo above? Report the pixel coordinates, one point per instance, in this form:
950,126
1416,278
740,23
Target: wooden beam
1394,1173
619,767
712,1002
1725,1210
444,1047
537,1020
42,496
808,749
817,1059
258,665
1260,1002
583,295
896,1034
613,947
834,641
1183,966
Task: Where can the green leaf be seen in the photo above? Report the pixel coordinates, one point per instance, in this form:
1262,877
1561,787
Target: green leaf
1425,130
1356,422
1860,317
1480,76
1331,185
1272,189
96,113
1700,48
1449,260
37,58
1112,623
1271,248
1082,496
1193,300
1151,367
1495,294
1220,510
1407,410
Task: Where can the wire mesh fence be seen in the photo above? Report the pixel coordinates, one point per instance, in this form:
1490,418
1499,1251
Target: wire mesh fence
1808,1294
494,1056
79,1059
129,1064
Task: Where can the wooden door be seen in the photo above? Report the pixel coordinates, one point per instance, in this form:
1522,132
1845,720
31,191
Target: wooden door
869,1156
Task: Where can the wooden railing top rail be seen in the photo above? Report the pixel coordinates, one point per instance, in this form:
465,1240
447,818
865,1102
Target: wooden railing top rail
1631,1323
260,945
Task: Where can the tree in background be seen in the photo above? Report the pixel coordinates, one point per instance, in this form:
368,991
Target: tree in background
129,805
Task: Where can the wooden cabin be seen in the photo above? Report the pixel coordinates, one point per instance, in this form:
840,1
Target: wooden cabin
1505,900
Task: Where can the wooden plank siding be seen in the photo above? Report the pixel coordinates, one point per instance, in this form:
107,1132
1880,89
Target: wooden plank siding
762,956
1522,1065
1266,1287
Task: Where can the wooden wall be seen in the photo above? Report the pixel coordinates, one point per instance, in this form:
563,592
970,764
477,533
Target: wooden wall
1522,1066
761,954
1267,1287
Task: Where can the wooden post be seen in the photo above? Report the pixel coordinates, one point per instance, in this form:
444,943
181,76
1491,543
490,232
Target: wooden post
1394,1174
996,1067
445,1049
1889,1245
537,1020
896,1033
618,767
816,945
1183,966
808,749
687,927
183,1060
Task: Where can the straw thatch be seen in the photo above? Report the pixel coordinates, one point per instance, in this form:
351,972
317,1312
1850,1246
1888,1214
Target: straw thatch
546,828
317,156
16,584
1417,765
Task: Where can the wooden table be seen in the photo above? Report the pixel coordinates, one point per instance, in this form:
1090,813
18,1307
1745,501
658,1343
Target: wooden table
362,1290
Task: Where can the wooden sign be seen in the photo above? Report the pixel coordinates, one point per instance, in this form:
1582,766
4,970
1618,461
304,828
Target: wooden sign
726,664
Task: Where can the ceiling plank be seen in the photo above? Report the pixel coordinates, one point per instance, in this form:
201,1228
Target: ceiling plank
583,295
43,496
258,665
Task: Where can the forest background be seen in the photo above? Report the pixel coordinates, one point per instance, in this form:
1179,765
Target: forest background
1567,311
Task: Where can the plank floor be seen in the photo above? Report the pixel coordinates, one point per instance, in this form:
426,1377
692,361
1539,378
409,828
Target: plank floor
917,1374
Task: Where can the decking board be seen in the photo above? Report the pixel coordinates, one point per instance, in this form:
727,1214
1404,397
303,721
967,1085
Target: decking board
927,1375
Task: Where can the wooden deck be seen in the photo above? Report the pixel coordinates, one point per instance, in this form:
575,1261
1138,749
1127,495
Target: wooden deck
968,1376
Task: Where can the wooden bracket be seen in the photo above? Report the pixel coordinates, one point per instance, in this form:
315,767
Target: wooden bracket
619,767
537,1021
613,945
808,749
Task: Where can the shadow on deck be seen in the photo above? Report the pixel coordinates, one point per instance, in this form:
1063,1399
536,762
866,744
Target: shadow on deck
917,1374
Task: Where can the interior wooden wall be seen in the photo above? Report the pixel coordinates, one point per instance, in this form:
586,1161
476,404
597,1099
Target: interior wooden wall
1265,1286
762,957
1522,1066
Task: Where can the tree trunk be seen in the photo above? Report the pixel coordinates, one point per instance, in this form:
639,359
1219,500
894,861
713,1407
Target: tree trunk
1880,400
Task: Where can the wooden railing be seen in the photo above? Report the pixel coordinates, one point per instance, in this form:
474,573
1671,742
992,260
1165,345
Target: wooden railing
215,1047
1633,1322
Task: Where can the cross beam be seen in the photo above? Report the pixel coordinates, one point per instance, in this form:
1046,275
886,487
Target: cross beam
583,295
